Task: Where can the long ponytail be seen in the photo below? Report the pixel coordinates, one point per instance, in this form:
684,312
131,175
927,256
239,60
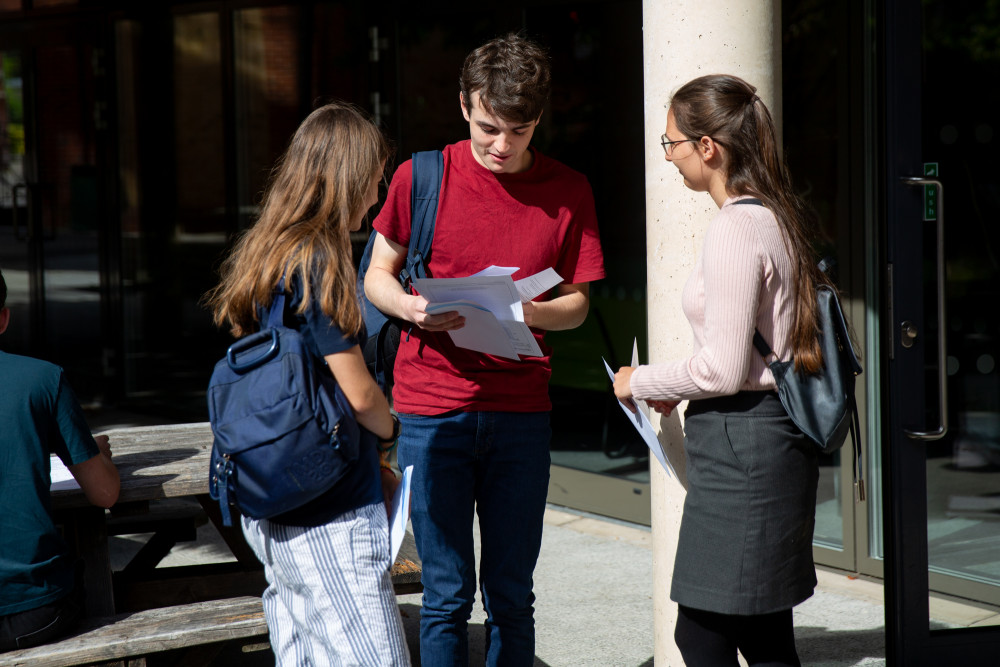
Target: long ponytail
728,109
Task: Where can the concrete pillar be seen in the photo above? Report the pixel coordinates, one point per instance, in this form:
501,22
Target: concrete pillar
684,39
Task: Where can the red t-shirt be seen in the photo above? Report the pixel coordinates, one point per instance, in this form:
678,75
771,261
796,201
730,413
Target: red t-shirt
543,217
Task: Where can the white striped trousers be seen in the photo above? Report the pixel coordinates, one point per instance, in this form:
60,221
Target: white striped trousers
330,600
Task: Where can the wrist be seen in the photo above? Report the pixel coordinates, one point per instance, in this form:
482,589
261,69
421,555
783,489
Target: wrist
387,444
403,301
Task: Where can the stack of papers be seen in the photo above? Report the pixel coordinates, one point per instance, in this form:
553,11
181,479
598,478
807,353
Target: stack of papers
490,302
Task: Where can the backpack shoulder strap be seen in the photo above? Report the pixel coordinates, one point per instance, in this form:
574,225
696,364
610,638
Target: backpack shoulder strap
762,347
276,313
758,341
827,299
428,171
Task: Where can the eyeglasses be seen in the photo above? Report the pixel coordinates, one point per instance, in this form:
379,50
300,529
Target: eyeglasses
668,146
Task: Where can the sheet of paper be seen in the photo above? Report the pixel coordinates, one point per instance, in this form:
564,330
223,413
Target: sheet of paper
643,407
482,331
520,336
529,287
540,283
645,428
400,512
498,271
60,476
496,294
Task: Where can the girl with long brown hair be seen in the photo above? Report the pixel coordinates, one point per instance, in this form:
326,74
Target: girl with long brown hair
330,598
744,554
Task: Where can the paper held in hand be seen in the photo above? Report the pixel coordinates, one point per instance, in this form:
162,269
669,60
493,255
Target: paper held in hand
400,512
490,302
637,412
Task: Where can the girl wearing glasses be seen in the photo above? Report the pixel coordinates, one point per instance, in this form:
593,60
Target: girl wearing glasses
744,556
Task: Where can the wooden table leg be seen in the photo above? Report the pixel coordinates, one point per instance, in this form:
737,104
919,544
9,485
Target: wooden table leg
87,534
233,535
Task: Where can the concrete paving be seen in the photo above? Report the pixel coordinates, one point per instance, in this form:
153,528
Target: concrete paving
594,601
594,604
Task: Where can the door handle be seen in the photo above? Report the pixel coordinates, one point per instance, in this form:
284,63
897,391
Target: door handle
942,428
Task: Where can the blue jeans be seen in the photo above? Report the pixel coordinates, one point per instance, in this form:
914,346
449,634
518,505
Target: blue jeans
496,464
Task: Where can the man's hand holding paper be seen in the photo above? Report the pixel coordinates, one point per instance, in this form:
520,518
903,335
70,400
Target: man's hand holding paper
420,311
481,332
491,306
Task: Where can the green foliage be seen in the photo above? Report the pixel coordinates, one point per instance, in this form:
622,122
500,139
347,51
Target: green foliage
972,28
15,138
13,98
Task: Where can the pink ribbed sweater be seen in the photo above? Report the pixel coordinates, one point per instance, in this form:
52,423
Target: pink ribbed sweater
743,279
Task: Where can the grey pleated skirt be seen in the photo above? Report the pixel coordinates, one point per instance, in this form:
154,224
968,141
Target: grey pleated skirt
745,544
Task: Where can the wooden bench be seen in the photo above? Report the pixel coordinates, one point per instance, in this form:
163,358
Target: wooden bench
168,608
193,583
133,636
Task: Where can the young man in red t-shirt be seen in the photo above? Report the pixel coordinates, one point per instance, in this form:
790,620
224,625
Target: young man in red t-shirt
475,427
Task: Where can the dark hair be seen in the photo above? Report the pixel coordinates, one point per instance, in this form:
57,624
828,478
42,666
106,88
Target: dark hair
3,291
728,110
512,75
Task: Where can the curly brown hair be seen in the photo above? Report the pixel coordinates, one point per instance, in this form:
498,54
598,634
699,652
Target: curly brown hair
512,75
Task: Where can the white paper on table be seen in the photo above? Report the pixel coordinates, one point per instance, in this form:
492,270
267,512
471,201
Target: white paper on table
641,423
400,512
482,331
496,294
60,477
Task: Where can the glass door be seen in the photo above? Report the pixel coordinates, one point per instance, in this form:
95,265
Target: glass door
593,124
51,194
942,203
208,96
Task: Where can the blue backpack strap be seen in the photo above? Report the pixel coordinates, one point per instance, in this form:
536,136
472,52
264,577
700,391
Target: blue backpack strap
428,171
276,314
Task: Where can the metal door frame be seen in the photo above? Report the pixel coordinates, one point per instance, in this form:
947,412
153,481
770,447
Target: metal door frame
909,639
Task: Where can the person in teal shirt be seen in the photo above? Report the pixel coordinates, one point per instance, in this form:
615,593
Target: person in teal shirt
41,597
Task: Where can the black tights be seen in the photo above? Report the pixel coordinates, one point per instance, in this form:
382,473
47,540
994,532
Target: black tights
707,639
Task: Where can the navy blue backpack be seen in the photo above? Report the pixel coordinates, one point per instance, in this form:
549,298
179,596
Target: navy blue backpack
383,332
284,431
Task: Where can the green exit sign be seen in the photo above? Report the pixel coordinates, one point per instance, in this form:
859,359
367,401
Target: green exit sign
930,192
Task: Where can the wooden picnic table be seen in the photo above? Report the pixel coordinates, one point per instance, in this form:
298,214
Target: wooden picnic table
158,463
154,462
